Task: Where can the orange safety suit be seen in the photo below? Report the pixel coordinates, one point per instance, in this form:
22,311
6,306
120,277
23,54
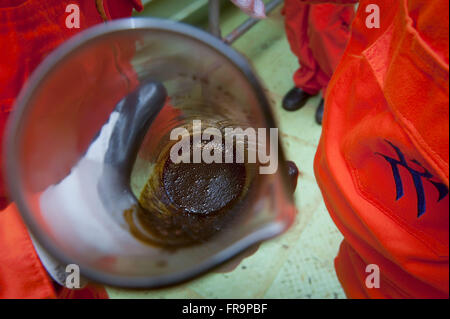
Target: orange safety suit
318,35
382,161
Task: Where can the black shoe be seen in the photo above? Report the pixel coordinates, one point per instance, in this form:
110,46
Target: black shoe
319,112
295,99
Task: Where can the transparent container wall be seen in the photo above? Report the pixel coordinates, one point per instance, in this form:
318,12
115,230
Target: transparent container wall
57,168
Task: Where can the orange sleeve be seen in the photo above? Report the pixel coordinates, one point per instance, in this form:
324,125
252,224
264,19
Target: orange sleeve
21,272
22,275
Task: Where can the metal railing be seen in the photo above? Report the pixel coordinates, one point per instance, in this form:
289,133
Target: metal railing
214,21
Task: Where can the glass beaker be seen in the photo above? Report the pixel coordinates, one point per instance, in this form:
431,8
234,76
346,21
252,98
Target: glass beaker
56,155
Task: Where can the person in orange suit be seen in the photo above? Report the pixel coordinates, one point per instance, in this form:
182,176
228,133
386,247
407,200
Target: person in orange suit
318,35
382,160
29,31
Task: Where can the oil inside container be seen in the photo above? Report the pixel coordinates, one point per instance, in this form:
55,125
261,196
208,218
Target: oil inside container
187,203
200,188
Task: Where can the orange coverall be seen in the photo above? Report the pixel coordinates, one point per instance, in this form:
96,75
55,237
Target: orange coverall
29,31
382,161
318,35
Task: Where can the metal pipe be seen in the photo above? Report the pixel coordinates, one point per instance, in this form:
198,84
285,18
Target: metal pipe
244,27
214,18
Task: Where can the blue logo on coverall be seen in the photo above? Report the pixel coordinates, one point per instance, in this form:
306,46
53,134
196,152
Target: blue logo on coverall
417,179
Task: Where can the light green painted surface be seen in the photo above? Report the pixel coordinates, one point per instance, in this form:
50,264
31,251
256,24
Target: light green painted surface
191,11
299,263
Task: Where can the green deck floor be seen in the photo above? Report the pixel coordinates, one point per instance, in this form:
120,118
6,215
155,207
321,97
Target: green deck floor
299,263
